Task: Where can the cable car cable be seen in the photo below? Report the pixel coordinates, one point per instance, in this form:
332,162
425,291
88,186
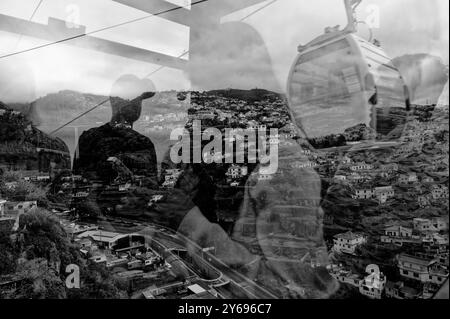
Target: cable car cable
79,116
98,30
162,67
259,9
36,9
158,69
240,20
30,19
103,102
19,39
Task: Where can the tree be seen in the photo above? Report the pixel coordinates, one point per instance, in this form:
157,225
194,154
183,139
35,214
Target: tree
40,235
23,190
98,283
45,250
38,281
8,255
11,176
88,209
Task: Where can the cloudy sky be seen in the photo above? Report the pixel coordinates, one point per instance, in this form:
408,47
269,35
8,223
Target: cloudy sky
258,54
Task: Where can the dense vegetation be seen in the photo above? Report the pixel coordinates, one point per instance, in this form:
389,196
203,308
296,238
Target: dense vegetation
249,96
37,252
19,140
37,256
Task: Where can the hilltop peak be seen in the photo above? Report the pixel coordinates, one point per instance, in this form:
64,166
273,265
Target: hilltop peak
253,95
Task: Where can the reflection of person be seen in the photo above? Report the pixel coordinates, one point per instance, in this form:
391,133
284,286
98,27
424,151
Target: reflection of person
117,138
277,239
236,52
417,148
279,223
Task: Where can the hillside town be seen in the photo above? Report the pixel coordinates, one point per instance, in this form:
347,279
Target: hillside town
385,227
407,234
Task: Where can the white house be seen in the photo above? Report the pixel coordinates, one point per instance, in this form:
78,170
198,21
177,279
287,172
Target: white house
427,180
439,192
398,231
80,194
408,178
2,207
438,274
393,167
172,176
236,171
37,178
306,164
346,160
357,178
361,167
388,190
265,177
348,242
399,235
124,187
420,269
104,238
363,194
423,201
428,225
340,177
384,193
414,267
305,152
372,286
168,184
435,239
18,208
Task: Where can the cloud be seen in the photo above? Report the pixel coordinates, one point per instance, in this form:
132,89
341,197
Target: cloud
414,26
235,56
256,54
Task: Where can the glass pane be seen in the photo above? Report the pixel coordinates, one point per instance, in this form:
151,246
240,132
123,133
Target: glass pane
391,93
326,92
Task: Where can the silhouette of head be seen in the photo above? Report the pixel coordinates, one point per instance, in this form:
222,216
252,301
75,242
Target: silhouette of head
126,98
232,55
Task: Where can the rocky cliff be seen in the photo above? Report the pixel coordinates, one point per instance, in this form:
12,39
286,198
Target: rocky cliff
24,147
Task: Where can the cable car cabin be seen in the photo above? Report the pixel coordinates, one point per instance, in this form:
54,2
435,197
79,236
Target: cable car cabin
340,83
